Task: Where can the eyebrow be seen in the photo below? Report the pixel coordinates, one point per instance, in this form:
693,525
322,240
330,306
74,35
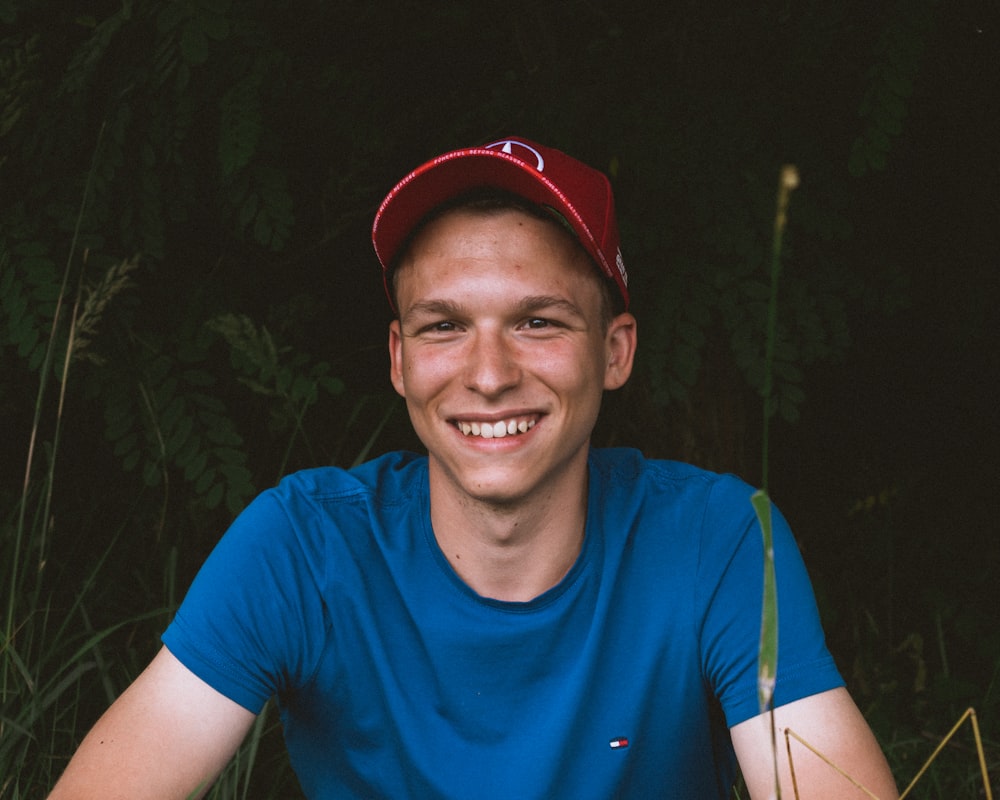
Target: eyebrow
431,308
544,301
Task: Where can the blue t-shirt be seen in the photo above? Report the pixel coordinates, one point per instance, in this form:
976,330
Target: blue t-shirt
396,680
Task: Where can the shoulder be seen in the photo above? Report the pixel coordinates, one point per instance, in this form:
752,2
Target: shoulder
387,479
671,506
311,509
627,471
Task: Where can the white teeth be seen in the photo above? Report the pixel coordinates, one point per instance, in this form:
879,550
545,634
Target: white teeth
496,430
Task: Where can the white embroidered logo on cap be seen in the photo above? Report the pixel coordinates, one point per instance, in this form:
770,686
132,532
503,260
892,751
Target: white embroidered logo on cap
620,263
509,146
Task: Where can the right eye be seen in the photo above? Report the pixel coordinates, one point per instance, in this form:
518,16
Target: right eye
434,328
446,326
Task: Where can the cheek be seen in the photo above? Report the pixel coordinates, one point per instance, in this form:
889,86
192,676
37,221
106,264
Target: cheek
572,367
425,376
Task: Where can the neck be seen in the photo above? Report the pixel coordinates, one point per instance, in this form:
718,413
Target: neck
512,552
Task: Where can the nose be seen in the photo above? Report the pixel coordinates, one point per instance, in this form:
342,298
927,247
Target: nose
492,366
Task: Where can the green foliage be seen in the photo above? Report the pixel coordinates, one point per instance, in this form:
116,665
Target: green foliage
293,380
241,123
904,631
694,166
134,71
891,81
16,83
262,205
166,420
258,362
217,117
29,289
50,653
166,416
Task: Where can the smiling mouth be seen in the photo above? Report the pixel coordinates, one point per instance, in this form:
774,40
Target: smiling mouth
496,430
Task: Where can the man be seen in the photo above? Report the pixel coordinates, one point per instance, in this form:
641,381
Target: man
515,615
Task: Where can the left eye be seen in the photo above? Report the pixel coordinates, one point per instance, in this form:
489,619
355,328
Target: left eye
537,322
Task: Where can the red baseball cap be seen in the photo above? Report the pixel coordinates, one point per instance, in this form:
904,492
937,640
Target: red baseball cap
542,175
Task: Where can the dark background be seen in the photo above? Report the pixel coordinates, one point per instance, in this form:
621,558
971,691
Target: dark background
241,150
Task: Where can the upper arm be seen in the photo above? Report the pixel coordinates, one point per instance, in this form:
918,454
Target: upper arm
832,724
169,735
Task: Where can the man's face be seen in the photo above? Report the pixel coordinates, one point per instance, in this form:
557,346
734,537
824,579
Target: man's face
501,354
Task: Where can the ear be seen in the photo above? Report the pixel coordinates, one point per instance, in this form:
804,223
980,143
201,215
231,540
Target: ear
396,357
620,343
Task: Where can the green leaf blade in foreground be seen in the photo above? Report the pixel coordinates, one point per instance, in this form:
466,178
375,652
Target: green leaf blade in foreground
767,663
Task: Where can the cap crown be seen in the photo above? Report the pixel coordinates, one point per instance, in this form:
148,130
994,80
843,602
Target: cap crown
543,175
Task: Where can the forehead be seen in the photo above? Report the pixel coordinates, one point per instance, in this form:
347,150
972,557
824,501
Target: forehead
463,248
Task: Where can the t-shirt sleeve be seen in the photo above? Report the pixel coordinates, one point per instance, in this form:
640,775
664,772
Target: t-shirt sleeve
731,568
253,618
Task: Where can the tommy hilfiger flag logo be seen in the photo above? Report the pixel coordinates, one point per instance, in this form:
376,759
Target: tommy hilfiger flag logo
618,743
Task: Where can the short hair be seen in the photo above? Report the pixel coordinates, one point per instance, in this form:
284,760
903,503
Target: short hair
487,201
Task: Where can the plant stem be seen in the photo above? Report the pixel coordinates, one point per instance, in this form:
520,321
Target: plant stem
788,181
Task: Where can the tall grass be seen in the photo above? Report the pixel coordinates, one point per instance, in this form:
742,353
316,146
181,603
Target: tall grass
56,667
54,664
51,656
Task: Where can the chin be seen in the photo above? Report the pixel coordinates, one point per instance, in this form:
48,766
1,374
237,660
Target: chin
493,487
494,492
